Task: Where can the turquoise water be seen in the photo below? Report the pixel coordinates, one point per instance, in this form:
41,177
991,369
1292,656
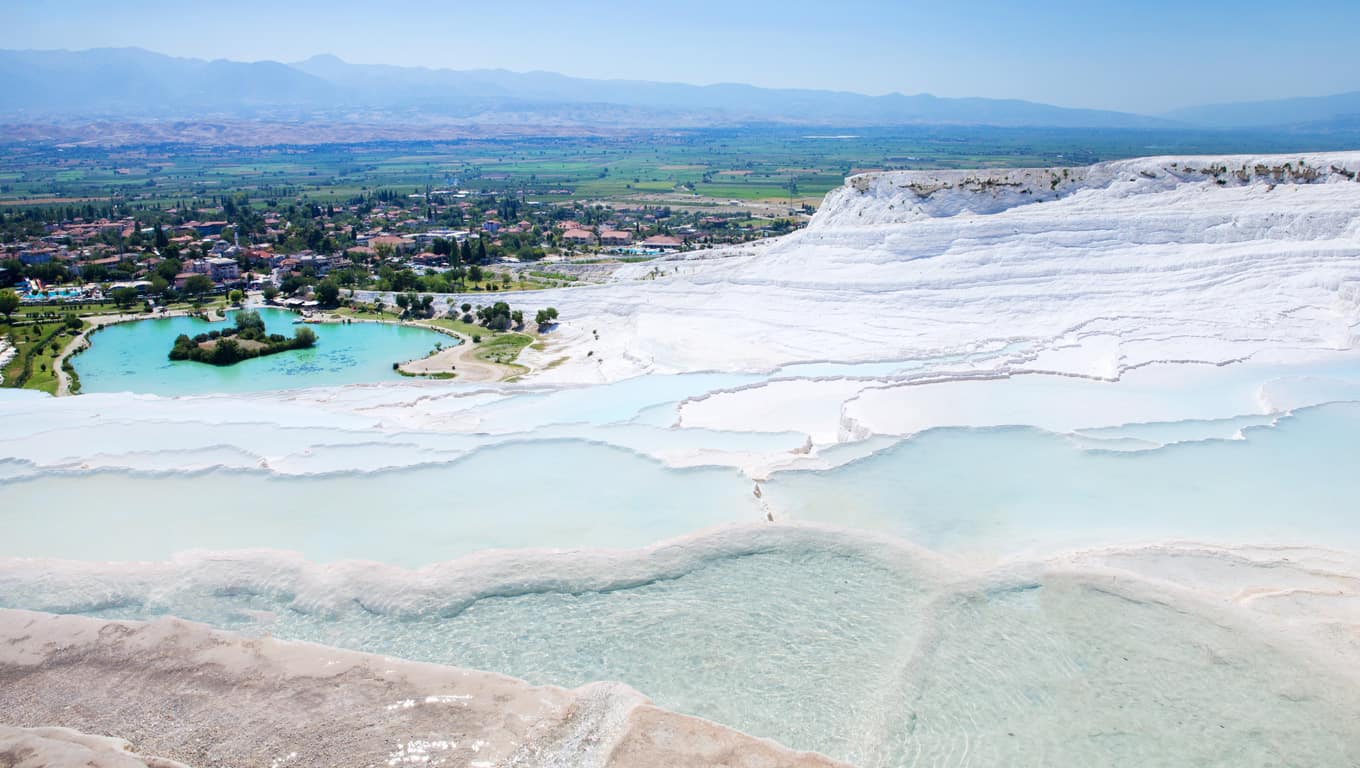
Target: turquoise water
868,651
56,293
877,662
132,357
517,495
988,492
1015,489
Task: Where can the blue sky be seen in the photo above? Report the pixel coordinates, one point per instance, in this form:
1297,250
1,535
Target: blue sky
1139,55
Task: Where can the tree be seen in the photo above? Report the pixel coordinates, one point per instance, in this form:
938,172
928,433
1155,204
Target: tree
466,252
226,352
304,338
292,283
475,273
161,240
124,297
168,269
9,301
235,296
545,317
427,304
328,293
270,292
496,317
198,285
249,323
402,301
481,251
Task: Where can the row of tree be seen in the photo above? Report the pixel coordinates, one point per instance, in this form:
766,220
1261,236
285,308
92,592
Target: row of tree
225,347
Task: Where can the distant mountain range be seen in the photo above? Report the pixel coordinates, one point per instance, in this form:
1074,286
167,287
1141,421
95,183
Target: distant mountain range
131,84
1343,109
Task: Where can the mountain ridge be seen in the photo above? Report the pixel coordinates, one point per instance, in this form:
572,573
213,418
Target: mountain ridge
1297,110
135,82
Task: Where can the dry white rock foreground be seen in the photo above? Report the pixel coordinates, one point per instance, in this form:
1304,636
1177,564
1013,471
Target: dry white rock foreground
44,747
191,695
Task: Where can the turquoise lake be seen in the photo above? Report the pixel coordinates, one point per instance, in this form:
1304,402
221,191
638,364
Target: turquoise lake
134,357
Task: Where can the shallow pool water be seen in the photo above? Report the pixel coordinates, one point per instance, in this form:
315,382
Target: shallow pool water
977,492
840,636
877,661
537,494
133,357
1018,489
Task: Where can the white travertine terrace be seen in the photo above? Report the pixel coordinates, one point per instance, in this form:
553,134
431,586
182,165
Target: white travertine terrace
1192,298
1194,258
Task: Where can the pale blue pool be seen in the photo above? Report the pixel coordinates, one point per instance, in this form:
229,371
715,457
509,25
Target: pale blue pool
133,357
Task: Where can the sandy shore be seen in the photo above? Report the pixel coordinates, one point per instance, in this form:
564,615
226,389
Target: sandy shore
204,697
459,360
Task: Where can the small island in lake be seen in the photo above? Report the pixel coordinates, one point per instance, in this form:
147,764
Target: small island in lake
246,340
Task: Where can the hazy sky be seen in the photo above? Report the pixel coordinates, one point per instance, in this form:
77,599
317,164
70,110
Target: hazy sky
1136,55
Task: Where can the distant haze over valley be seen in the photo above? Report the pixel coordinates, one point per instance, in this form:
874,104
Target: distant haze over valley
45,89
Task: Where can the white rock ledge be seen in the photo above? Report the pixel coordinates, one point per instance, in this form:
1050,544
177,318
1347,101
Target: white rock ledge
205,697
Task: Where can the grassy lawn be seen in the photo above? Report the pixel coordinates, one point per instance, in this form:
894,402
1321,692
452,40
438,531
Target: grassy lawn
499,347
499,286
38,346
365,314
56,311
503,348
458,326
558,276
50,311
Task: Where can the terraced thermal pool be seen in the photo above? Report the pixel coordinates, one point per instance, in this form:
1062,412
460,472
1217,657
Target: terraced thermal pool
828,630
131,357
948,478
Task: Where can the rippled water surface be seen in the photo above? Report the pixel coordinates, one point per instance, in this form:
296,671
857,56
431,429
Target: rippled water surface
881,662
853,643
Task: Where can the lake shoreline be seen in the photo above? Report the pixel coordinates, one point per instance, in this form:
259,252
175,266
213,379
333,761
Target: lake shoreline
458,360
82,342
136,360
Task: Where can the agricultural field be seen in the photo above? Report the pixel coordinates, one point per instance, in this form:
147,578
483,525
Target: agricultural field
780,166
